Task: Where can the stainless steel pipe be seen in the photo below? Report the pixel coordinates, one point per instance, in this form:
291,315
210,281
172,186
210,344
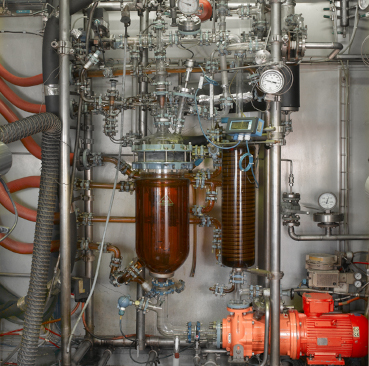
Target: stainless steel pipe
266,333
275,197
81,351
89,234
326,237
65,223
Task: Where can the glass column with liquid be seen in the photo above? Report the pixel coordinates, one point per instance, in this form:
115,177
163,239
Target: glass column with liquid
238,211
162,222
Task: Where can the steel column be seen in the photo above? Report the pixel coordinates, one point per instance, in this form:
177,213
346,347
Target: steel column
275,195
65,223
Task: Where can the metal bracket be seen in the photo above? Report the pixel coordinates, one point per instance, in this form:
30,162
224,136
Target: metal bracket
63,47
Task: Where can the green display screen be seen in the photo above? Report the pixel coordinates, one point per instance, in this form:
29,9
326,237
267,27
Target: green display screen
241,125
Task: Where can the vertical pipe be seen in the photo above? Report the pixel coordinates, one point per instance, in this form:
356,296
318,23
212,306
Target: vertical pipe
65,224
275,196
143,87
267,204
88,203
140,320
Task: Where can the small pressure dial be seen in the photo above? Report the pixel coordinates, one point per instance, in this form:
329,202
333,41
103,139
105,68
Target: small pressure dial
271,81
357,284
363,4
358,276
327,201
188,7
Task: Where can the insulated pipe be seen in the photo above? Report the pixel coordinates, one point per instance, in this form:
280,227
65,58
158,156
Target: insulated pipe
28,142
275,197
81,351
64,190
36,296
20,81
50,59
19,102
327,237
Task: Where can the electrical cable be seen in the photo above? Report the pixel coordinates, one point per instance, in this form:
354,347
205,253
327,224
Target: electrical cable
203,132
121,330
15,210
109,210
187,49
22,32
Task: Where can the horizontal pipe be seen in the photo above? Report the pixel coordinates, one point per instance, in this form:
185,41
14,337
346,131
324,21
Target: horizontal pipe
149,342
323,46
326,237
12,274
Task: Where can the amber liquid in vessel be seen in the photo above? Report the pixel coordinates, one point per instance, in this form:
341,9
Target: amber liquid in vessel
162,221
238,210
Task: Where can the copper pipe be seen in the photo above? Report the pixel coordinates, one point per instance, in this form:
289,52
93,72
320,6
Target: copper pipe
225,290
110,248
108,159
103,185
132,220
115,219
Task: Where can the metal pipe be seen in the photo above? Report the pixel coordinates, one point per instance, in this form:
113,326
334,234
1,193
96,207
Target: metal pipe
88,203
266,333
11,274
105,357
140,319
323,46
275,196
150,342
143,86
327,237
65,223
81,351
267,204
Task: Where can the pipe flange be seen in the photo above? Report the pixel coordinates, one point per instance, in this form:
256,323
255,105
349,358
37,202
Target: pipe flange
328,218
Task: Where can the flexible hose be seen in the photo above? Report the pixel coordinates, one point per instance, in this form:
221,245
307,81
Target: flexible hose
19,102
50,125
16,80
28,142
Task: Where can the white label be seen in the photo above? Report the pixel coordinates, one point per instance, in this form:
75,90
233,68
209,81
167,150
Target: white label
166,201
356,332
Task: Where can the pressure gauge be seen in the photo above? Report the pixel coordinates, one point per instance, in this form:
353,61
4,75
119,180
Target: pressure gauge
358,276
188,7
357,284
363,4
327,201
271,81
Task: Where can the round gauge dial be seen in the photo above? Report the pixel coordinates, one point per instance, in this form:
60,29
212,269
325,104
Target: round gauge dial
188,7
357,284
327,201
358,276
271,81
363,4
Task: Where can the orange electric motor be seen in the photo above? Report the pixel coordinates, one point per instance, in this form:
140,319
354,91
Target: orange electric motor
324,337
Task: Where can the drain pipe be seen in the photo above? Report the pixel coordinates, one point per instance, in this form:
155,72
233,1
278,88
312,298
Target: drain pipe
65,222
275,196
